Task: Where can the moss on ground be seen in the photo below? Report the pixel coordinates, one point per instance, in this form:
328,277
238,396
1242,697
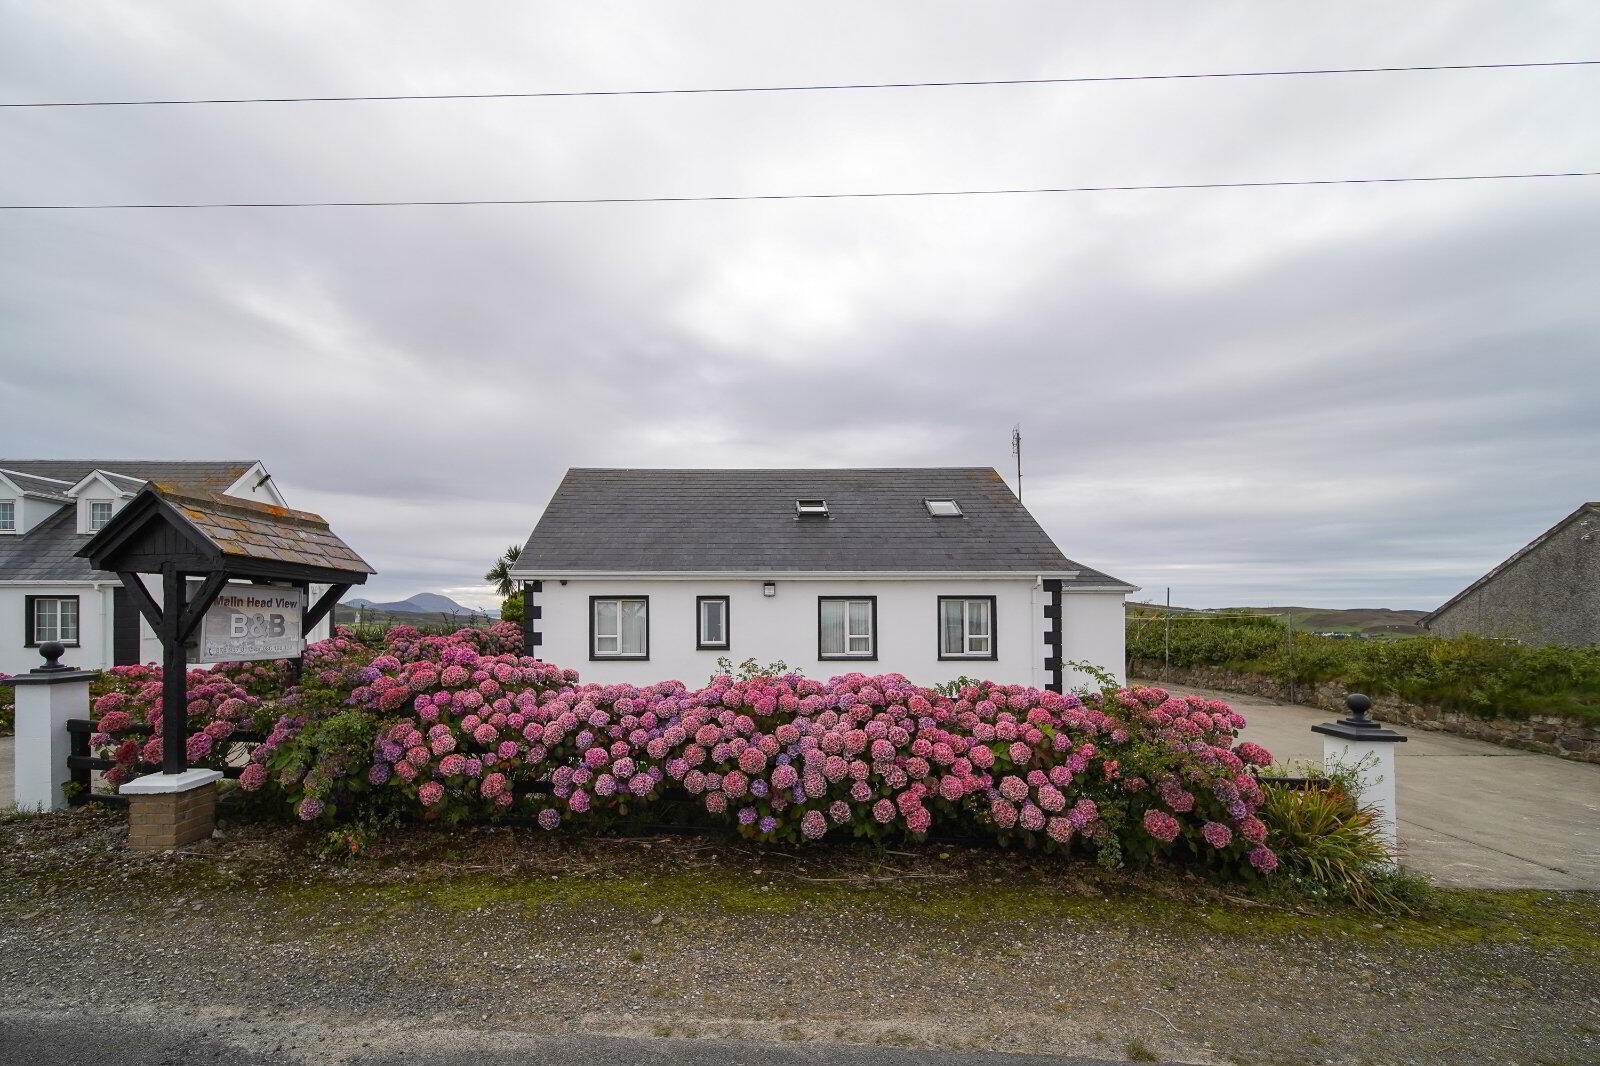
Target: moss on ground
1568,921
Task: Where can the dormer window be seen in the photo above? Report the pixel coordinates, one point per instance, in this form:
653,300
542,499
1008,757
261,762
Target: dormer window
8,516
99,515
943,508
805,508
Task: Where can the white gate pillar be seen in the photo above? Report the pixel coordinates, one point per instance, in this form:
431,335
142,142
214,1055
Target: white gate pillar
46,697
1365,747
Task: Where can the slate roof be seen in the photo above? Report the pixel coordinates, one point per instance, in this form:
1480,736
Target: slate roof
47,552
214,475
744,521
247,529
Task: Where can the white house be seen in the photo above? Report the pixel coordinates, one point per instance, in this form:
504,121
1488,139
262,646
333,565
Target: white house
48,510
934,573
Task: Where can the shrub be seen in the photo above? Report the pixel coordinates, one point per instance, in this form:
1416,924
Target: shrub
1471,674
464,727
1329,847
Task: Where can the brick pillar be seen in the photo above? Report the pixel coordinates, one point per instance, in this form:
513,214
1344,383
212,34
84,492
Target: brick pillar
171,810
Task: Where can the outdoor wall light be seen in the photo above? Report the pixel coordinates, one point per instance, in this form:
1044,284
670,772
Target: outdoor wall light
769,588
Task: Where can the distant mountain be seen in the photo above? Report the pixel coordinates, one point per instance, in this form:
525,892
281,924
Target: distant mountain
421,603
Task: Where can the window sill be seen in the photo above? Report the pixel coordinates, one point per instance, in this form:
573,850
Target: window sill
619,658
969,658
848,658
63,643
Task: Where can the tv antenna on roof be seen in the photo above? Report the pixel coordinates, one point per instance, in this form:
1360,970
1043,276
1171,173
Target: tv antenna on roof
1016,449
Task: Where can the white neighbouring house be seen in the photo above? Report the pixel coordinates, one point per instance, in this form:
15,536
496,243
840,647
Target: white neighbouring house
49,508
651,575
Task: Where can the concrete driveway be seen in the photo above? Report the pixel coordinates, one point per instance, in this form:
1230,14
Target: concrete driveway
1473,815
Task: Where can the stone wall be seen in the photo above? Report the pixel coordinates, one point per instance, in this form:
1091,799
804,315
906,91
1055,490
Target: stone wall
1569,738
1547,594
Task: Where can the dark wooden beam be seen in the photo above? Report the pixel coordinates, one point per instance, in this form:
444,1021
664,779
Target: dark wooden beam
141,598
195,610
174,676
320,610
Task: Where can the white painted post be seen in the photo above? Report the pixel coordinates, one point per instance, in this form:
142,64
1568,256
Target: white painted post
1363,746
46,698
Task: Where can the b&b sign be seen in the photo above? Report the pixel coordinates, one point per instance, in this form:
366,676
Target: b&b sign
252,622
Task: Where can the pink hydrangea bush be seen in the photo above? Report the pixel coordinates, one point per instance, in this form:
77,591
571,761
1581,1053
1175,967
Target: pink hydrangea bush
464,726
131,696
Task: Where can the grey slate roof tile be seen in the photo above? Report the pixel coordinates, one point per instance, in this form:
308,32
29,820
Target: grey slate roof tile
47,552
744,520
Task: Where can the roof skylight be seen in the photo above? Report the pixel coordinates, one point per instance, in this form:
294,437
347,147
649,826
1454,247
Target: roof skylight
811,507
943,508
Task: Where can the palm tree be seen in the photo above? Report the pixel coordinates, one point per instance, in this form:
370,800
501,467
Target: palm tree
500,572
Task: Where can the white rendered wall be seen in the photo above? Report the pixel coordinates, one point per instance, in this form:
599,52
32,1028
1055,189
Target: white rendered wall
1094,632
94,628
785,627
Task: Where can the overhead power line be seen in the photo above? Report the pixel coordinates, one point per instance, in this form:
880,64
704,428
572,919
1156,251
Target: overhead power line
793,196
797,88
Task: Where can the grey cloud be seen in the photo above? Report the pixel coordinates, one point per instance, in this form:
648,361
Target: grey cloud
1332,395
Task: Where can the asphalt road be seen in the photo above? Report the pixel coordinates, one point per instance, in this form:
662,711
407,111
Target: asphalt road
54,1040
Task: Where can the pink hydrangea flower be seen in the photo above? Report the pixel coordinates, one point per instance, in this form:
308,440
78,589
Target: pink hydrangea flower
1161,825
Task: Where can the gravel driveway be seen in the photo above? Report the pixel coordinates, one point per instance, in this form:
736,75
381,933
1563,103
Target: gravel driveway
513,937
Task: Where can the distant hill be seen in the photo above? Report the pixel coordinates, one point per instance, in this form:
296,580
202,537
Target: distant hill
422,602
1370,621
428,608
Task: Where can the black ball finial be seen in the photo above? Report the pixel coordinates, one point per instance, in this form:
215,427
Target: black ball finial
1359,705
52,650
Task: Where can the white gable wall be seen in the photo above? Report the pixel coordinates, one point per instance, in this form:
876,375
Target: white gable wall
784,627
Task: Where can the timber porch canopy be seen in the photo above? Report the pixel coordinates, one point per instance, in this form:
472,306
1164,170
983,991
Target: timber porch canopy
182,534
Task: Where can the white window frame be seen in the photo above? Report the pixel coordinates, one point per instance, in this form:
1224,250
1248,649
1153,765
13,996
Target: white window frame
36,638
90,524
596,636
700,605
930,504
869,635
9,525
968,637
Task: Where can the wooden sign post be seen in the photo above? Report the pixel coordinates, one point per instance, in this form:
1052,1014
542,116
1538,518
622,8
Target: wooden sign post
183,535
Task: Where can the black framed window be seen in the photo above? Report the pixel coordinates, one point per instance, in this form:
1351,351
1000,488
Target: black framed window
847,627
51,618
966,627
711,622
619,627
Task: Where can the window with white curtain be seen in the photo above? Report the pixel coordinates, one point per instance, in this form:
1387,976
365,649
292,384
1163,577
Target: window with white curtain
712,622
52,618
99,515
847,627
619,627
966,627
8,516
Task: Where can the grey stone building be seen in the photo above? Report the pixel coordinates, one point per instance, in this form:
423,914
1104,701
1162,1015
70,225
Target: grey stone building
1547,593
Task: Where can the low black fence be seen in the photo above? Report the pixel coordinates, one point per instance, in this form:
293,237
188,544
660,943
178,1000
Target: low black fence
82,761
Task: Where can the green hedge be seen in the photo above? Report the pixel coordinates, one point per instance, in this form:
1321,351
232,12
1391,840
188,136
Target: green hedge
1471,674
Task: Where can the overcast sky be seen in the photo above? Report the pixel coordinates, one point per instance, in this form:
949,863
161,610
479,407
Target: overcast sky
1340,396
